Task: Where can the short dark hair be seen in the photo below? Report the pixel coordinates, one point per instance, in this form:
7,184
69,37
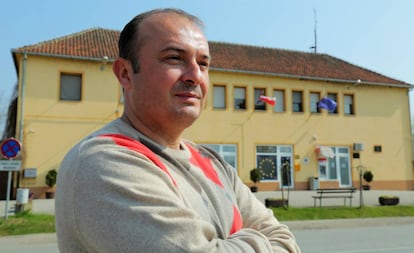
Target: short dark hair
128,39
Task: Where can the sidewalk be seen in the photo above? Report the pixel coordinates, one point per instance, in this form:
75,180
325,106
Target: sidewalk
370,198
296,199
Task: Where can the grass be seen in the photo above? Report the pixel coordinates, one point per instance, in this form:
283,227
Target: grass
28,223
317,213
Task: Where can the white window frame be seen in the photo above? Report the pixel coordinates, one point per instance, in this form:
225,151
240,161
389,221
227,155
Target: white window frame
330,169
227,151
279,153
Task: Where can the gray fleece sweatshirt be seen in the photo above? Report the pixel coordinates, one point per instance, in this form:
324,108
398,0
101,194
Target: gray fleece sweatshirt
119,192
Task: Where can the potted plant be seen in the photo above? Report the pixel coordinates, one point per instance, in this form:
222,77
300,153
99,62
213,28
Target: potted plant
50,179
368,177
255,176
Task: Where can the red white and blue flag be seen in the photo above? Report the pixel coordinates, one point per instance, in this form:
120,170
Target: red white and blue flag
269,100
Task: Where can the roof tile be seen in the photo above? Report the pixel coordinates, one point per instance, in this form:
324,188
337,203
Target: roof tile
98,42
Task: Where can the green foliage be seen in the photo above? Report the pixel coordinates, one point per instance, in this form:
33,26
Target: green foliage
255,175
51,178
368,176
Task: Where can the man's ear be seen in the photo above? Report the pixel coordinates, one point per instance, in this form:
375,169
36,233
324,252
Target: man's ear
123,71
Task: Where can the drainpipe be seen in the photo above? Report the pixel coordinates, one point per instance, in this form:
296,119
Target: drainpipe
22,93
21,118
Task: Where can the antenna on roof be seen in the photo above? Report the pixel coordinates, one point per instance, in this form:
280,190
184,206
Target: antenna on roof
315,45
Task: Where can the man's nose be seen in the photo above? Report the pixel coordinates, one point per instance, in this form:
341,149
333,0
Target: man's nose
193,74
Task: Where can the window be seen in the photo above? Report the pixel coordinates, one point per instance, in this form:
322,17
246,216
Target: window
297,101
334,97
280,101
70,87
377,148
239,98
227,151
337,167
271,159
219,97
348,104
314,100
259,104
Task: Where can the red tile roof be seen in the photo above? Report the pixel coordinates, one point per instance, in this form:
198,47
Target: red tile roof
97,43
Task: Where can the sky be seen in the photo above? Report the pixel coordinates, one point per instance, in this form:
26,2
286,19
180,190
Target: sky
375,34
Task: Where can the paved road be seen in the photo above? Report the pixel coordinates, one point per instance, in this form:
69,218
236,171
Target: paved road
380,235
35,243
396,238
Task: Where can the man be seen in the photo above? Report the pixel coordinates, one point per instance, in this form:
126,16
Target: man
136,185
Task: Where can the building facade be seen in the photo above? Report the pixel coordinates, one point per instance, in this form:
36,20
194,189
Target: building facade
66,90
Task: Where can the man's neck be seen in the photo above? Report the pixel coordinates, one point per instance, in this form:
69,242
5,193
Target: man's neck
154,133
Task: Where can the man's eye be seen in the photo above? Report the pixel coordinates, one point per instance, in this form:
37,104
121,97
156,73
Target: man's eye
173,58
205,65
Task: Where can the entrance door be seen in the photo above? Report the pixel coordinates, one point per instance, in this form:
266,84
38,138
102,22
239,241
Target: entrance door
275,162
337,167
286,172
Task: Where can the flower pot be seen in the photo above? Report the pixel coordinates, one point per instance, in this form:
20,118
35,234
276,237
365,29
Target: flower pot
276,202
389,201
366,187
49,195
253,188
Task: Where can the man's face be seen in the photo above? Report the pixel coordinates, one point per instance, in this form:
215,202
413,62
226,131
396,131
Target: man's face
172,82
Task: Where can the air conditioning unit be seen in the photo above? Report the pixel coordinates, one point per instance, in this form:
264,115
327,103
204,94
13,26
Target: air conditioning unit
358,147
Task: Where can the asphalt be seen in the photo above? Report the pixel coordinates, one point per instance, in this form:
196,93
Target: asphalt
296,199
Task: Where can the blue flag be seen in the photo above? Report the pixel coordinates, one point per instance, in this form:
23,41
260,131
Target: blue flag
327,104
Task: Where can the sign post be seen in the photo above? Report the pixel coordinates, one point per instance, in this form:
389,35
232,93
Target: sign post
9,149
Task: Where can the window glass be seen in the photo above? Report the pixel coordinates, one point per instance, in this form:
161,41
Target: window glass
70,87
297,101
219,97
259,104
266,149
280,101
239,98
314,100
287,149
348,104
227,151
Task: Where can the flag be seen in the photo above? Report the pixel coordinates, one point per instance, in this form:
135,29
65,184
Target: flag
327,104
270,100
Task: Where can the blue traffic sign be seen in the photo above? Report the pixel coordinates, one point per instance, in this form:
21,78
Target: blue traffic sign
10,148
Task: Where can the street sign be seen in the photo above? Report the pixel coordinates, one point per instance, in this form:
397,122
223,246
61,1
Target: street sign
10,165
10,148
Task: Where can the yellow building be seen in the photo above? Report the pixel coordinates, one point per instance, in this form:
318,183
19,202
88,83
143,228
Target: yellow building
66,90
